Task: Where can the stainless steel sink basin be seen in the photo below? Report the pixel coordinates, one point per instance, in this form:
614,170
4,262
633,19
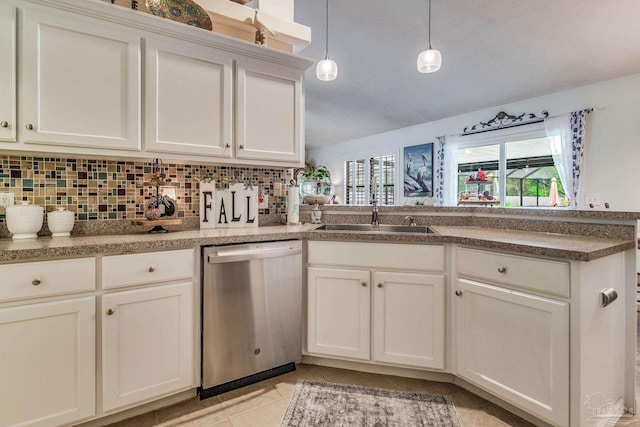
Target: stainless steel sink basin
423,229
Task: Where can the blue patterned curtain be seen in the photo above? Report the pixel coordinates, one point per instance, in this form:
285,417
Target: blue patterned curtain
439,177
567,138
578,121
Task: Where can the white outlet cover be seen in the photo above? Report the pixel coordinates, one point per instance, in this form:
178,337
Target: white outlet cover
6,199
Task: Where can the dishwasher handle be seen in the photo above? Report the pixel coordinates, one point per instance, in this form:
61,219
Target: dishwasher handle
249,255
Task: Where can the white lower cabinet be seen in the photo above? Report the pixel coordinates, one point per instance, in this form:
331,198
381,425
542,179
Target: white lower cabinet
338,312
516,346
408,319
382,316
47,363
147,344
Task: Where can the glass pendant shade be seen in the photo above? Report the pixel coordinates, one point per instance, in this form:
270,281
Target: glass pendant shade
429,60
327,70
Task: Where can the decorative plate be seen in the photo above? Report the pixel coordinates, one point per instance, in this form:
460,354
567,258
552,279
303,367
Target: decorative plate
183,11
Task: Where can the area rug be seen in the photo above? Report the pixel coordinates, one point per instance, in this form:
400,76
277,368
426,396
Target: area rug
319,403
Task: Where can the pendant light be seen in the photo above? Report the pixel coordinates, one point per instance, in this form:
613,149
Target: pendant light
327,70
429,60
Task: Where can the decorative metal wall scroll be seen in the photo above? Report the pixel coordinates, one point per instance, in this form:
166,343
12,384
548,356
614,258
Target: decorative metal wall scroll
504,120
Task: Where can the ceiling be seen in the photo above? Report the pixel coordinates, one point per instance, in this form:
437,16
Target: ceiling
494,52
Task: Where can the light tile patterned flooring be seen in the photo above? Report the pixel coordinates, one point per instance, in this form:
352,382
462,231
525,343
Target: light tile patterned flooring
264,404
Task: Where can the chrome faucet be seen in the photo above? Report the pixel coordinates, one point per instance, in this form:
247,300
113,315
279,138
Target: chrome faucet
374,211
412,220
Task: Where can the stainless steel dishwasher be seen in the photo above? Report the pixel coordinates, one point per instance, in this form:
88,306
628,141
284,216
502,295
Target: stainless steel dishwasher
251,313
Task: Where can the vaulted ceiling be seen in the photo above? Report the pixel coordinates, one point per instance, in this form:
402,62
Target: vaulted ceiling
494,52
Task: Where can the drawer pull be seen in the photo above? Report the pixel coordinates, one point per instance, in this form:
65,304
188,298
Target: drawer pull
151,269
29,126
110,312
502,269
35,282
379,285
363,284
459,293
4,124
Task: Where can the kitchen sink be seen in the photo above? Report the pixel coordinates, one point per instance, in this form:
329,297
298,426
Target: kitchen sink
383,228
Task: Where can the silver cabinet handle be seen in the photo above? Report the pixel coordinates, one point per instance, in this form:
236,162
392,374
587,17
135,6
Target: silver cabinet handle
607,296
379,285
4,124
502,269
110,312
151,269
35,282
459,293
363,284
29,126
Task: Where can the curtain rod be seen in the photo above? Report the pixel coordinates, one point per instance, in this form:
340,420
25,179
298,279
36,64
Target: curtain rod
504,120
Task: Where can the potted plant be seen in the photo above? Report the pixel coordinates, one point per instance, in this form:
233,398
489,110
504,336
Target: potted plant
315,184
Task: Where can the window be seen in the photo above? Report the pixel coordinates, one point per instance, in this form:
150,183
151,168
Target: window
516,172
359,178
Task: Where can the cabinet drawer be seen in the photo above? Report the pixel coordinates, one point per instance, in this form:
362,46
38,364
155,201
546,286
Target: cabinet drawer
378,255
46,278
135,269
551,277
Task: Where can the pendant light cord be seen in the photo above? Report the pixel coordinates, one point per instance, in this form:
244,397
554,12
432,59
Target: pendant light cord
429,47
326,33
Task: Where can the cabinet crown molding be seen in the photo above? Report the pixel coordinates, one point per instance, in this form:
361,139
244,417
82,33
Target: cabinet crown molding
156,25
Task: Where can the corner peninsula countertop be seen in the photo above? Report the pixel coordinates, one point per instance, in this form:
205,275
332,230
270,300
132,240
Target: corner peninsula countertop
571,247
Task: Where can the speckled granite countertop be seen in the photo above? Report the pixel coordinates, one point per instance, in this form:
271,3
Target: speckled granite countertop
573,247
580,248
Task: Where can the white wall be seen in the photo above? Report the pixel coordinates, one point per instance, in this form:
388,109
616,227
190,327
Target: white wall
612,156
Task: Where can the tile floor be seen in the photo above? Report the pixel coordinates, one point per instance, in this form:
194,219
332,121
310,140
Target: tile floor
264,404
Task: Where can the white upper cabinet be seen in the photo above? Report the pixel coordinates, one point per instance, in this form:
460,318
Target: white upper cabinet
79,81
269,122
7,73
72,82
188,99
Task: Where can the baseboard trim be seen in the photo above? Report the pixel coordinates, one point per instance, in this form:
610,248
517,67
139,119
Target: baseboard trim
139,410
379,369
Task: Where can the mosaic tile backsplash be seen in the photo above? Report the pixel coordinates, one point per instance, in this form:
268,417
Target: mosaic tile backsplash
112,189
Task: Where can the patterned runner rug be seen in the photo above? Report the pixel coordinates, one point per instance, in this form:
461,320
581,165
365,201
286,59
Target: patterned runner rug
319,403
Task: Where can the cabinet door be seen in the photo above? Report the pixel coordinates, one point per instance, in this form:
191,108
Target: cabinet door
268,112
7,73
79,81
516,346
188,99
47,354
147,344
338,312
408,319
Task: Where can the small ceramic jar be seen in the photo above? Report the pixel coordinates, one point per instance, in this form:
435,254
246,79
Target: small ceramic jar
60,222
24,220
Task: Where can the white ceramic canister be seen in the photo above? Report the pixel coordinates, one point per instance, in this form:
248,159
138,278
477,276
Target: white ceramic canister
60,222
24,220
